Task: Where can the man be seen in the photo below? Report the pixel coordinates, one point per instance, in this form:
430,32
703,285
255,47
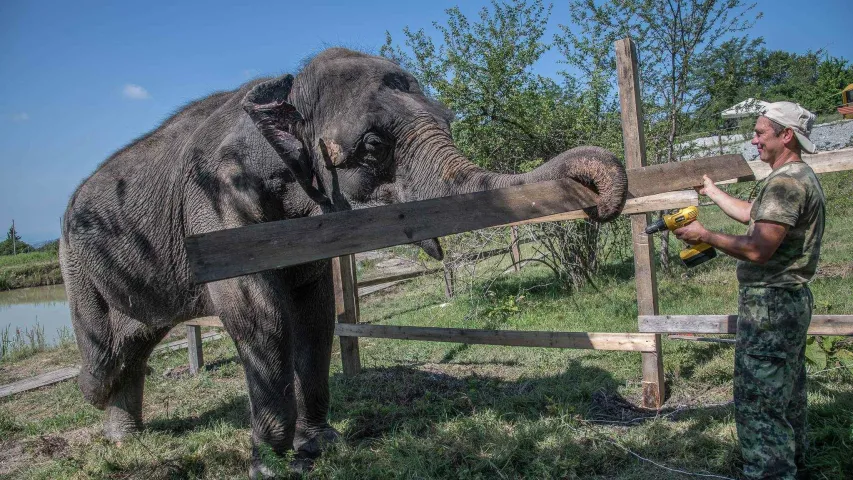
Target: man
777,257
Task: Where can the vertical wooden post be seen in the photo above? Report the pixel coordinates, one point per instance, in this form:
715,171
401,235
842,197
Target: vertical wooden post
515,252
194,348
346,310
644,254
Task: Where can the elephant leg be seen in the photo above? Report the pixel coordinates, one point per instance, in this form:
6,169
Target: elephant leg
134,341
253,310
92,329
313,329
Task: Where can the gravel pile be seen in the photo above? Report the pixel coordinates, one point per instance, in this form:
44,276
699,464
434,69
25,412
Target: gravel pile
827,137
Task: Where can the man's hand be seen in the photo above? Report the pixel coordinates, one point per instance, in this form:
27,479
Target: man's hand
706,187
694,233
733,207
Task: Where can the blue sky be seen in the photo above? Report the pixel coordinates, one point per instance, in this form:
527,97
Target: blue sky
78,80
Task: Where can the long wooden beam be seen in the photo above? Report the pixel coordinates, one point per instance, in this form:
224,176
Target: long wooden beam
241,251
651,203
822,162
632,342
821,324
38,381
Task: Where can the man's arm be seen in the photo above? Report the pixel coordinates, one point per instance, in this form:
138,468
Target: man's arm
756,247
734,207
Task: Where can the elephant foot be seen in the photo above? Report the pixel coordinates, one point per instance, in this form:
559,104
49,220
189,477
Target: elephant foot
119,423
309,444
124,412
265,468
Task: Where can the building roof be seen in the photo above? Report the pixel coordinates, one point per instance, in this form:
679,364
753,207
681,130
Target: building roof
747,108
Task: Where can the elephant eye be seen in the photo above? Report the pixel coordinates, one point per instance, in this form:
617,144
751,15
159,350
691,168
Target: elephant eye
374,143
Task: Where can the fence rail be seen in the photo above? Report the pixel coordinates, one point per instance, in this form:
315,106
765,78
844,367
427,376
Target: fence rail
224,254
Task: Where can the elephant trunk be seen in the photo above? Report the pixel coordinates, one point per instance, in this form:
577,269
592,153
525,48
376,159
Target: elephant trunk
443,170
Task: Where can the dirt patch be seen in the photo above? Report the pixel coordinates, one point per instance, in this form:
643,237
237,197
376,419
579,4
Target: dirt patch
835,270
177,372
13,455
52,446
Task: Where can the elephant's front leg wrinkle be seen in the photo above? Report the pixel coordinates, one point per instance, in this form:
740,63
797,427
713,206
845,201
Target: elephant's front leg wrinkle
314,327
252,309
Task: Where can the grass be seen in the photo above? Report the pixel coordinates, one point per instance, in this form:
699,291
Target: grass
32,269
443,410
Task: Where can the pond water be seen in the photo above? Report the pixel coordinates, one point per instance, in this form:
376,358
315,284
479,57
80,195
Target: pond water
25,307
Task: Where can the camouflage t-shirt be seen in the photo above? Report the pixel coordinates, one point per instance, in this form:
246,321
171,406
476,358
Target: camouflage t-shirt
791,195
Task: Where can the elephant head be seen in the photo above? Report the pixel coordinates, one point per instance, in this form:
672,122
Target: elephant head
358,131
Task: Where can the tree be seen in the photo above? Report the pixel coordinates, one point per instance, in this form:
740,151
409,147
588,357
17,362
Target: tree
739,69
671,36
13,243
507,117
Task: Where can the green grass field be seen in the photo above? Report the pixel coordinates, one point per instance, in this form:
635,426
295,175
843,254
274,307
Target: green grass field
431,410
29,270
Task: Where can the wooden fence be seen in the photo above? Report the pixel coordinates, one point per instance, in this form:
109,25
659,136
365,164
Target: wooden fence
229,253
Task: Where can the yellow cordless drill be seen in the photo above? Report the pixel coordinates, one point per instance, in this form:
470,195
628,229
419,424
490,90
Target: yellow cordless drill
694,254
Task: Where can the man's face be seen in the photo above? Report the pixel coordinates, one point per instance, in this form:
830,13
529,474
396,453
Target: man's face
769,145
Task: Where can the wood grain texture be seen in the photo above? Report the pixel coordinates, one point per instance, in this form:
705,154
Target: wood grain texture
194,350
635,159
822,162
821,324
668,177
346,311
651,203
241,251
181,344
634,342
39,381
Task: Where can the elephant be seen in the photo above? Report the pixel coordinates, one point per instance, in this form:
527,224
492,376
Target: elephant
348,131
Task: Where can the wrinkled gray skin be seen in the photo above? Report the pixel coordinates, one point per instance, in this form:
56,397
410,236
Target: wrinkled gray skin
349,131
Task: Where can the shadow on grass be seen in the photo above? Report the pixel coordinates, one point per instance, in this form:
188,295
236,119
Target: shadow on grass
404,403
234,412
831,429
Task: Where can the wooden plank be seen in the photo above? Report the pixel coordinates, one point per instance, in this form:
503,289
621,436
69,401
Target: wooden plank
241,251
345,311
194,350
205,322
682,175
822,162
394,278
693,338
633,342
651,203
181,344
635,159
38,381
821,324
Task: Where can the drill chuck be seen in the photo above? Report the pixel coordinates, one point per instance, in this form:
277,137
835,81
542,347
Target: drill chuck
656,227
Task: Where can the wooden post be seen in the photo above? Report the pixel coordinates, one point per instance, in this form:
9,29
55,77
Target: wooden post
644,266
515,252
194,348
346,310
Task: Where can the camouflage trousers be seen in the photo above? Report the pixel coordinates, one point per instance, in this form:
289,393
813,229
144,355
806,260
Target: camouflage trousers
770,380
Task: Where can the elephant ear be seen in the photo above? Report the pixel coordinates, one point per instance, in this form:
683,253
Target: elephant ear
276,119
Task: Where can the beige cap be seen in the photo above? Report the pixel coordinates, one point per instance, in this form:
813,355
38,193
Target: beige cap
795,117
